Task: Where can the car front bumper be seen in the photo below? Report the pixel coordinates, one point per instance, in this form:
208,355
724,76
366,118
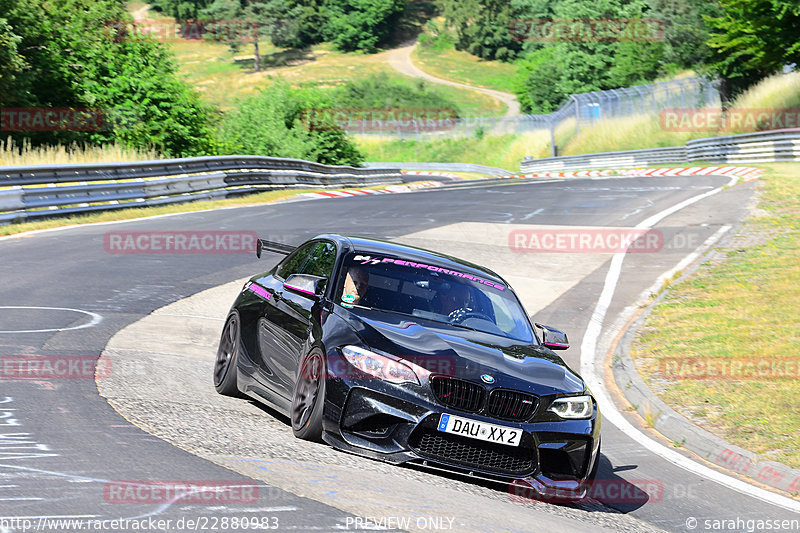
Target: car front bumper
398,424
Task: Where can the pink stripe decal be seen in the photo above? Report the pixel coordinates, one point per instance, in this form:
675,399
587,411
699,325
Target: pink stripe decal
259,290
298,289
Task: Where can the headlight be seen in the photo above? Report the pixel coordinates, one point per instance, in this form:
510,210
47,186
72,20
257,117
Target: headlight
387,368
574,407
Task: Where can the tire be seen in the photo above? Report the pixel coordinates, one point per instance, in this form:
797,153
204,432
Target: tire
308,399
225,374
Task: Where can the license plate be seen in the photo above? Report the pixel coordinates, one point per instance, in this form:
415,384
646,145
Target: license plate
479,430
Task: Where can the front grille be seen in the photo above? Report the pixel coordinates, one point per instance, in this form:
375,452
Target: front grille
511,405
458,394
471,453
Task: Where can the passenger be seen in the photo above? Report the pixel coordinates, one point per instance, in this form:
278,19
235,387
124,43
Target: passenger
356,284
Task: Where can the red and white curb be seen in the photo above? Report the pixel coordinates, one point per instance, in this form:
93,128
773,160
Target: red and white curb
432,173
391,189
741,172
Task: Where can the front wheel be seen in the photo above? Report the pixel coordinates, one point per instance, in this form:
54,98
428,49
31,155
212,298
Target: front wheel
309,398
227,354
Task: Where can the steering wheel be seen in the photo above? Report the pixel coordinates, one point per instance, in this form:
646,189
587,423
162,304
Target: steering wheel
463,313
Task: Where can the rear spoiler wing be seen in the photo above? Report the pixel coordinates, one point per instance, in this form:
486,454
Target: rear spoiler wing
271,246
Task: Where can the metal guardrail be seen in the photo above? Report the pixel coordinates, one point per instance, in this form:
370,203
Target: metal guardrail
443,167
28,192
761,147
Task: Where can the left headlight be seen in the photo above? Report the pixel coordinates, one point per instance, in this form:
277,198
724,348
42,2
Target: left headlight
387,368
573,407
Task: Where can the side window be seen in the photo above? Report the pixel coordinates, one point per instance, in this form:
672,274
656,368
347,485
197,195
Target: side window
316,258
320,262
294,263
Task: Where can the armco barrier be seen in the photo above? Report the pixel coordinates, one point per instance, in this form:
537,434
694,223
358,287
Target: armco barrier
443,167
31,192
761,147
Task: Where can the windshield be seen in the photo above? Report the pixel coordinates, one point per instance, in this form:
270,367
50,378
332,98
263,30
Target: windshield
433,293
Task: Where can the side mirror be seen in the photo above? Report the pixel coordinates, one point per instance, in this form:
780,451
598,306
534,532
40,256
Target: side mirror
305,284
553,338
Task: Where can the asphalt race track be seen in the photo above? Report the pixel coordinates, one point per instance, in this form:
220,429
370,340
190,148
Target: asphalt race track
64,450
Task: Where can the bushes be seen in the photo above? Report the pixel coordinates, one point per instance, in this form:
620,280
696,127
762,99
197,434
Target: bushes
272,123
383,91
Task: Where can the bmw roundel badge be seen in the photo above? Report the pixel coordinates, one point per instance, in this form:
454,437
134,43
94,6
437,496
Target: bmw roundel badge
487,378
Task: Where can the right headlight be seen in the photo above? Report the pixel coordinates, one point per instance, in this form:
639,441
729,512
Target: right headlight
573,407
388,368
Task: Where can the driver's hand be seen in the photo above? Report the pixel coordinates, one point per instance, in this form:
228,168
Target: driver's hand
459,314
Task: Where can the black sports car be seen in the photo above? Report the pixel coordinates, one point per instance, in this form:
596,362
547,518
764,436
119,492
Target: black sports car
406,355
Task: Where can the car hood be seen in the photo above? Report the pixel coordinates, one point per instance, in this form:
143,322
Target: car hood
466,354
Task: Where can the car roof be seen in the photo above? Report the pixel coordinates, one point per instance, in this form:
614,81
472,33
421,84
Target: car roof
419,255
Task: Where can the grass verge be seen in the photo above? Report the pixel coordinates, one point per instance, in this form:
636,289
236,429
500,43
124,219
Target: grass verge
450,64
743,306
502,151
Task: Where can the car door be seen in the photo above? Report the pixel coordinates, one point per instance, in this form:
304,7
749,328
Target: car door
286,330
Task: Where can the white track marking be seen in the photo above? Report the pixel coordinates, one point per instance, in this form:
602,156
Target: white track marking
95,319
590,365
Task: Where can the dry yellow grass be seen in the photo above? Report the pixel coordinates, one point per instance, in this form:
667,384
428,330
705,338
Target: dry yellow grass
12,154
624,133
781,91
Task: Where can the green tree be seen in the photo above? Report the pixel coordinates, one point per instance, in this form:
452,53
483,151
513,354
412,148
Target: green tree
360,24
590,53
147,105
78,58
11,62
483,27
182,9
685,31
753,39
538,81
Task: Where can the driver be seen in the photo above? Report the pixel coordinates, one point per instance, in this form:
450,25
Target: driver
453,299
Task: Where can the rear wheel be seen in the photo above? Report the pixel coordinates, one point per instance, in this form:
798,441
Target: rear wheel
309,398
227,354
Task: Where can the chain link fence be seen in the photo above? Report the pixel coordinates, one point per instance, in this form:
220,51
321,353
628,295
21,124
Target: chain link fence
582,109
